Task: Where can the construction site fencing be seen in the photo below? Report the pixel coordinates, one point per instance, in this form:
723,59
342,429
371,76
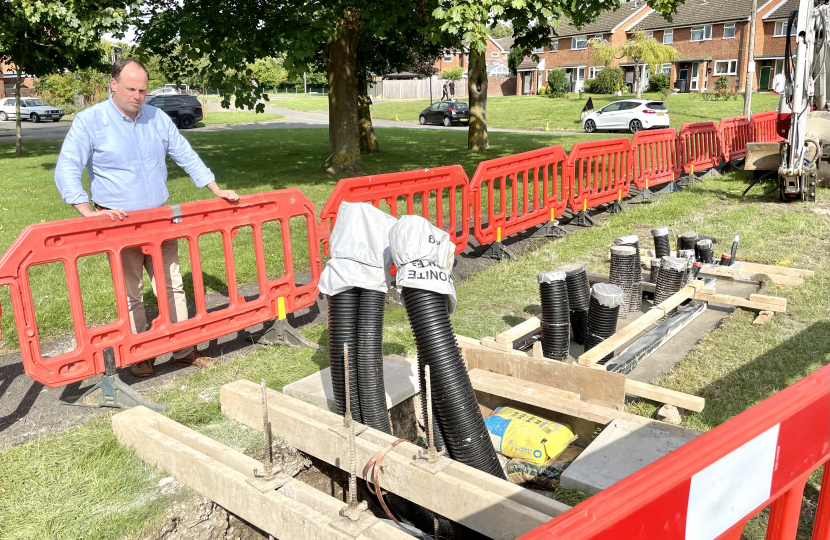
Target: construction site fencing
763,128
710,487
735,133
440,195
67,242
655,158
699,146
514,193
599,172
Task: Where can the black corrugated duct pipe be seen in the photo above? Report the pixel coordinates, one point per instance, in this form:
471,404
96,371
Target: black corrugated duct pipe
623,274
370,361
556,330
662,246
689,255
696,267
454,403
635,299
687,240
579,294
704,252
343,314
672,274
603,314
655,269
726,259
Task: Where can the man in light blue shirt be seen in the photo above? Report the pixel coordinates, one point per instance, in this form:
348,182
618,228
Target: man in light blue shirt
123,144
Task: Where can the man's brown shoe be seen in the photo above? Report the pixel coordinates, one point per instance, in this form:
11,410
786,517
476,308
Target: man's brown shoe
142,369
195,358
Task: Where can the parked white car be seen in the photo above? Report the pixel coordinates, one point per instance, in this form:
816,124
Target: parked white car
32,108
164,91
631,114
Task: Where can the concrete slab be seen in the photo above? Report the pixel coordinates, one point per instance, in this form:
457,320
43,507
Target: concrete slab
622,449
400,379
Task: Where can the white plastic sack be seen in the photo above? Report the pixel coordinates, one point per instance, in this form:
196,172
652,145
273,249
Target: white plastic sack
359,248
424,256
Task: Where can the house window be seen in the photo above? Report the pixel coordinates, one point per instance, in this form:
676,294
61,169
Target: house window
594,71
554,46
649,34
579,42
537,50
494,54
668,37
665,69
701,33
728,30
780,29
726,67
448,58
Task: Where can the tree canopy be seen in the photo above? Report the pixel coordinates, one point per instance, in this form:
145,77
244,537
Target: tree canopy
642,49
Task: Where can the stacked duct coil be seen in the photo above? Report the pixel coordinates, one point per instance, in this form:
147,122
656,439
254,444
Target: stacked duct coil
579,294
603,313
671,278
424,257
662,245
625,274
635,299
689,256
687,240
553,295
654,270
704,252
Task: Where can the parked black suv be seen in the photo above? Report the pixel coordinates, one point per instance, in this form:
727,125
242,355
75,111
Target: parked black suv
184,110
446,112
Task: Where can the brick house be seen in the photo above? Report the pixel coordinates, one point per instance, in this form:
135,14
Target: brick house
9,72
495,55
712,37
770,31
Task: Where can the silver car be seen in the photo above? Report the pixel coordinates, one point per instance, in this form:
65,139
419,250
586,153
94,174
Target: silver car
32,108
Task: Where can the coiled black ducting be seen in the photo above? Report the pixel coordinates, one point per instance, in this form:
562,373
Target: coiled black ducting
635,298
696,268
579,294
624,274
687,240
670,279
454,403
343,315
655,269
662,246
603,314
704,252
556,329
369,355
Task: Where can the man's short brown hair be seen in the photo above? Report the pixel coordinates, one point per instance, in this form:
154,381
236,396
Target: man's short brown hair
121,63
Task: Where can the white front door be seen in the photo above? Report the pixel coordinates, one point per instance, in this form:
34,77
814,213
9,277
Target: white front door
528,76
580,79
693,82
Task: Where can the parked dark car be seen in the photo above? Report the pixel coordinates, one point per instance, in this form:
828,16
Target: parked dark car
445,112
184,110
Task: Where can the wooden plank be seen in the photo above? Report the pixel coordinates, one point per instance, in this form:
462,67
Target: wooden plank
592,385
664,395
486,504
737,301
519,331
762,318
653,315
771,269
294,511
493,344
743,273
768,299
541,396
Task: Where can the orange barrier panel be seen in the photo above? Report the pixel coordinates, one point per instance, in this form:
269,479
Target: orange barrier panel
699,146
655,157
441,192
529,189
65,242
763,127
599,172
734,134
710,487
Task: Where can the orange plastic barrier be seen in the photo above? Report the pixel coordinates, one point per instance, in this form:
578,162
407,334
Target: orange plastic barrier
699,146
538,192
710,487
441,192
599,172
655,157
734,134
763,127
67,241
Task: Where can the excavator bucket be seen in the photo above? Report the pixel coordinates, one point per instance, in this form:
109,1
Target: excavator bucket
764,156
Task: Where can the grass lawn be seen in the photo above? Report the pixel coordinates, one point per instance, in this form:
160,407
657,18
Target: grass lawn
241,117
85,473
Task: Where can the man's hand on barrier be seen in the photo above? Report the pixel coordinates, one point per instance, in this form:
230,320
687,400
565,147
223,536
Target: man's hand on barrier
227,194
112,214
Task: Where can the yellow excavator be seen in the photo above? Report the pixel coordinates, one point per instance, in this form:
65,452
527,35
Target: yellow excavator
802,160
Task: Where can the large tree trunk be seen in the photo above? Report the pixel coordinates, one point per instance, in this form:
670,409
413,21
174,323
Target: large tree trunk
477,88
344,134
368,140
637,80
18,128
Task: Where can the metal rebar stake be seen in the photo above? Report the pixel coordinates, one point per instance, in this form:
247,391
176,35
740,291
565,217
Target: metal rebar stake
432,454
267,480
354,509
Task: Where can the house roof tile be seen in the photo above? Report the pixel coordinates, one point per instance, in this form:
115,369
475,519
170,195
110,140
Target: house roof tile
604,24
527,64
781,11
699,12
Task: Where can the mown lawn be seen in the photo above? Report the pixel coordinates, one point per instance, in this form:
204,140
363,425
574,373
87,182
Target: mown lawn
50,485
241,117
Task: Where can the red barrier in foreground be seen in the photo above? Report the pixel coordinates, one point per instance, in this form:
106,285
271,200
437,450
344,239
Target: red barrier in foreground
441,192
763,128
734,134
710,487
538,192
599,172
655,157
699,146
68,241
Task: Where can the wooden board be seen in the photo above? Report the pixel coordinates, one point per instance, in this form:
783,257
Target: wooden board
779,270
519,331
764,299
743,273
763,318
541,396
664,395
737,301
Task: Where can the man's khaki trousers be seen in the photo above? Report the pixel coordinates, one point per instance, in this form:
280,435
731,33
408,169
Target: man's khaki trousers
135,262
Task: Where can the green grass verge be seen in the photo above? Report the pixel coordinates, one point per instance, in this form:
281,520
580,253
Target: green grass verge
241,117
733,367
307,104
